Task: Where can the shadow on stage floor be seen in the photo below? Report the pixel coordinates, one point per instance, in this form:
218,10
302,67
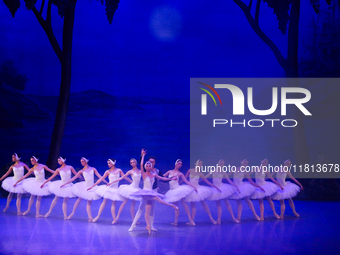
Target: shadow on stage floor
316,232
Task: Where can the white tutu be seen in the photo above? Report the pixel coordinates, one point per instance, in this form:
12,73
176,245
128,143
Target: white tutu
202,193
32,186
226,191
66,191
126,191
109,193
246,190
8,183
269,188
174,195
80,190
146,194
290,190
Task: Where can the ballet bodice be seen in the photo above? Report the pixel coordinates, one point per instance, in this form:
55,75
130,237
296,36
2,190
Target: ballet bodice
173,183
113,177
18,172
194,181
89,178
281,178
238,178
217,179
65,176
39,175
136,180
260,178
148,183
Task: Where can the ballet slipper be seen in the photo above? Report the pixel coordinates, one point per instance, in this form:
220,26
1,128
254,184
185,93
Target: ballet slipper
153,229
213,221
239,220
90,219
132,228
257,217
235,220
6,208
70,216
276,216
47,214
95,219
26,212
296,214
191,223
218,221
39,216
115,221
149,229
19,213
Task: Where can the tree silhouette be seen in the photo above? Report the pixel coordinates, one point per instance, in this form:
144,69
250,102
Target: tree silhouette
66,9
288,14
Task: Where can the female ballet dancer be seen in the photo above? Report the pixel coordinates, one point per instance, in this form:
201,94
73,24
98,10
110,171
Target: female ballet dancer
147,194
32,185
7,184
179,192
109,192
126,190
226,191
80,189
54,187
290,189
269,189
202,193
246,189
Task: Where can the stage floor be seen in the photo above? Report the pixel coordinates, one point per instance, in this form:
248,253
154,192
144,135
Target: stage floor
316,232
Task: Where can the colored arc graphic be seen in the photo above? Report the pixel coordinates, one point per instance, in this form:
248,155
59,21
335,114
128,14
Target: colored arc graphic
218,96
209,95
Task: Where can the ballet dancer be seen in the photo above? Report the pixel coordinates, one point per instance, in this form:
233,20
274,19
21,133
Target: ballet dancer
269,188
290,189
126,190
179,192
80,189
246,189
147,194
109,192
54,187
202,193
226,191
32,185
18,171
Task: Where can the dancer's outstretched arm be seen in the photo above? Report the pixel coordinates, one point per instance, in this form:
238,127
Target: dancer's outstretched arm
74,177
107,172
208,182
48,169
7,173
226,176
253,183
186,181
122,174
273,180
296,181
130,172
56,172
98,175
25,176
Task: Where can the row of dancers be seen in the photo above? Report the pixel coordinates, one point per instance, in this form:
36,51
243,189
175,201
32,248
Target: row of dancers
192,192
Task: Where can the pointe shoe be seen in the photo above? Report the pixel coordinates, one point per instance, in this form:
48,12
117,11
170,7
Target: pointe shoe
173,224
218,221
39,216
276,216
95,219
6,208
149,229
132,228
70,216
213,221
296,214
175,207
114,221
191,223
19,213
261,218
282,217
26,212
47,214
257,217
236,220
153,229
239,220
